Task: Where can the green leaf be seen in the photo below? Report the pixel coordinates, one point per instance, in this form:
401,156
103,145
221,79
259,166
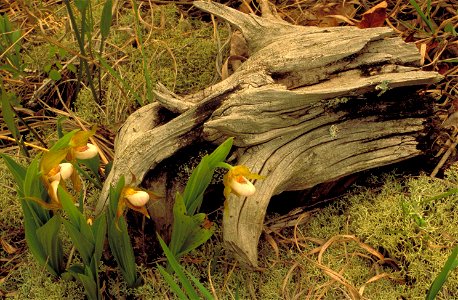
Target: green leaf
17,170
449,60
449,265
114,195
55,75
8,116
172,284
202,176
196,186
64,141
180,225
90,286
72,68
96,160
79,231
30,226
48,236
47,68
62,52
75,270
197,234
187,231
201,287
118,238
122,250
105,20
220,154
93,164
76,217
108,168
87,278
81,5
32,183
99,229
187,286
85,248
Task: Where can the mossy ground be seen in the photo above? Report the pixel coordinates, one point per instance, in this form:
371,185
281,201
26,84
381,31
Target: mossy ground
415,235
386,220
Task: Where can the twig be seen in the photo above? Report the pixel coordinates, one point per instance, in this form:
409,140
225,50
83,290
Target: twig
446,155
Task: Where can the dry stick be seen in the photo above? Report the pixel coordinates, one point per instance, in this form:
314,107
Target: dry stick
4,137
446,155
211,282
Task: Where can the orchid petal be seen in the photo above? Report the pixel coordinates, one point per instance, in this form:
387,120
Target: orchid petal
85,152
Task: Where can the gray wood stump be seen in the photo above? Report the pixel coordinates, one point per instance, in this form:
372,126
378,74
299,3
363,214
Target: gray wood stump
308,106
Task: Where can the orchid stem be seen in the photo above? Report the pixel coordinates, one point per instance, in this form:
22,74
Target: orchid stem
224,165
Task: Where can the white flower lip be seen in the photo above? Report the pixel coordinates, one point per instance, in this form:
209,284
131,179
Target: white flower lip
243,189
139,198
66,170
88,153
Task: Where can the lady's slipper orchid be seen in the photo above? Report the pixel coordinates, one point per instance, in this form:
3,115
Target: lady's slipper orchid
134,199
79,146
85,152
61,171
138,198
236,181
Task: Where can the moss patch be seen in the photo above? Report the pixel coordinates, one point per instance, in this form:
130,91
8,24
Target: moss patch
180,53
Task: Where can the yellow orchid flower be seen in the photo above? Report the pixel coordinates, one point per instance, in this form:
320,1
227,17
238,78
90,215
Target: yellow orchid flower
236,181
52,171
79,146
135,199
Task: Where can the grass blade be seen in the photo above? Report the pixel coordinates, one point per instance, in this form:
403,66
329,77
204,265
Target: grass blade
172,284
8,117
449,265
125,85
105,22
187,286
425,19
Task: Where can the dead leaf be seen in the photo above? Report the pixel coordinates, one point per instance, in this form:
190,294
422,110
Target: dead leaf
374,17
7,247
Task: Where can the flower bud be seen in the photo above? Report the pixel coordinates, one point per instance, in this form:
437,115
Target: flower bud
85,152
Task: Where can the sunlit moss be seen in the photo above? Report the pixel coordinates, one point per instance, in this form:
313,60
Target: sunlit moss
180,54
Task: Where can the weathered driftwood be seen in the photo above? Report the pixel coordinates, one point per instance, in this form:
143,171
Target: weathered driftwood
286,110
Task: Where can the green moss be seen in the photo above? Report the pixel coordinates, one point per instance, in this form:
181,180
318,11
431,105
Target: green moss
10,207
30,281
381,221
